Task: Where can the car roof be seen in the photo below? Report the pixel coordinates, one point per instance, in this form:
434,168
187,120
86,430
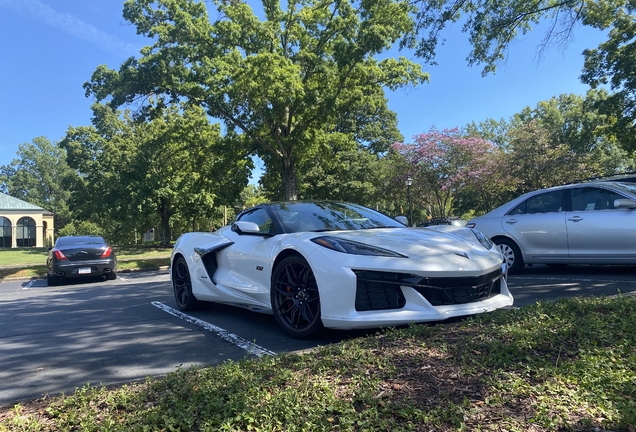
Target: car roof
624,187
626,178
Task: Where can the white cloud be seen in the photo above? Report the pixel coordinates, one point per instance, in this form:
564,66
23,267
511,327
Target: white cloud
70,24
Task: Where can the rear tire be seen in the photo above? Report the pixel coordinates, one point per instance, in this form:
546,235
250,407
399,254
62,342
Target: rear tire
512,255
111,276
51,280
182,285
295,298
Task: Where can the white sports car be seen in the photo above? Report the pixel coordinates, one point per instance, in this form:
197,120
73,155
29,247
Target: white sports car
339,265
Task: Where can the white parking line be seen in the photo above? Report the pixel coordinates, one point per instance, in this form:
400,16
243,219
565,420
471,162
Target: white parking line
248,346
27,286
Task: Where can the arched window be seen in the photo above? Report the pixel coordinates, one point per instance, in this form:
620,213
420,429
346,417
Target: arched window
25,232
5,232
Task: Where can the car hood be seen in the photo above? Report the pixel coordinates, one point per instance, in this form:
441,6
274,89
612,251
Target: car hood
417,242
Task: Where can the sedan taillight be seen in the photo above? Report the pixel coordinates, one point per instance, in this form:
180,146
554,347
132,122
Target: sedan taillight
59,255
107,252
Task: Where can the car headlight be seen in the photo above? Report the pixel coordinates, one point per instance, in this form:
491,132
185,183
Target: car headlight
354,247
482,238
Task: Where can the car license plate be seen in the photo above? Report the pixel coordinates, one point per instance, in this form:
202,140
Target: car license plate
84,270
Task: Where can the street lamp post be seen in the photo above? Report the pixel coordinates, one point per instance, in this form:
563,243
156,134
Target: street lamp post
409,182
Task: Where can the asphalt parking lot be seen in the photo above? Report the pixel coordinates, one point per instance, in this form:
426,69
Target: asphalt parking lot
57,339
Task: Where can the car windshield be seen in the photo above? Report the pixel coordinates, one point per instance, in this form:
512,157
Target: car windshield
330,216
625,187
79,240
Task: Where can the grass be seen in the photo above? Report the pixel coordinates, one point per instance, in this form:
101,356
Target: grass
567,365
31,262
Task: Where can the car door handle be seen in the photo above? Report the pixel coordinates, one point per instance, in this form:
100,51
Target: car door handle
511,221
575,219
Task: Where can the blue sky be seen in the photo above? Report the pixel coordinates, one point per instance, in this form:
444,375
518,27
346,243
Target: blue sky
49,48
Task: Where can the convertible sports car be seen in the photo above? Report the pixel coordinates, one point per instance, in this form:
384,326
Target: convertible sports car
339,265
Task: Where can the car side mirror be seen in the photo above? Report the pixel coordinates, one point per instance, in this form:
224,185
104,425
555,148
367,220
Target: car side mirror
249,228
402,219
624,203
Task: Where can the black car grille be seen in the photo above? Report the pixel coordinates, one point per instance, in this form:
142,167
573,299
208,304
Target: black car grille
381,290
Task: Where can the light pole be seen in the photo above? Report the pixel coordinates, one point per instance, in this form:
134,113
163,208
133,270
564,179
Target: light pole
409,182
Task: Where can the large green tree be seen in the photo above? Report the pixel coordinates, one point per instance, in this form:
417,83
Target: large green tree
41,176
571,121
176,165
538,161
277,81
613,64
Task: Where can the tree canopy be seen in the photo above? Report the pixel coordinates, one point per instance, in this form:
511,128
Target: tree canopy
176,164
280,82
41,176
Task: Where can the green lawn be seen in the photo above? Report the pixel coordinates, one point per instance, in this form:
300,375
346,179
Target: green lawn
563,366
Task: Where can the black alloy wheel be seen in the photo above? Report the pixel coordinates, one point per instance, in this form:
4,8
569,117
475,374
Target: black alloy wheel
295,298
183,285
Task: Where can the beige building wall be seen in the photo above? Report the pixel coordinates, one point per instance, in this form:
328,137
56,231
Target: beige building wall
43,225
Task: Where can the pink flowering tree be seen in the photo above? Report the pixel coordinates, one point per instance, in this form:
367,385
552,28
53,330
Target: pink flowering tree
442,164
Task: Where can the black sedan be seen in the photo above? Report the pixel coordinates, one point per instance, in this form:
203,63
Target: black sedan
80,256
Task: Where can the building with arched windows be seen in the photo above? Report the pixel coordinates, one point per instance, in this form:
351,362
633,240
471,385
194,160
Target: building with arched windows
23,224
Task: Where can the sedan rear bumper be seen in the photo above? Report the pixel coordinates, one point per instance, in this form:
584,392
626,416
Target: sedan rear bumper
83,269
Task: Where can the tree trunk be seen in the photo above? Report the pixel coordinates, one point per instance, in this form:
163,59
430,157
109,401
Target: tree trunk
288,178
165,213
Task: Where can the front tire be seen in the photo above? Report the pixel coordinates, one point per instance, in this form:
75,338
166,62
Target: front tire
295,298
182,285
512,255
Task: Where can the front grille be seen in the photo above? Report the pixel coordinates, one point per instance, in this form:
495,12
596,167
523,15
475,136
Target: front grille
378,291
381,290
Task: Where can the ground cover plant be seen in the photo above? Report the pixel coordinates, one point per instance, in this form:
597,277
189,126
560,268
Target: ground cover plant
567,365
31,262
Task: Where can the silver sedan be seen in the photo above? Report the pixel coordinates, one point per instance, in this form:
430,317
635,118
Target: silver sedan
584,223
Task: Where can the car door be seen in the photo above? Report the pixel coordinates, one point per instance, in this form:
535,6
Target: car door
538,225
597,230
245,267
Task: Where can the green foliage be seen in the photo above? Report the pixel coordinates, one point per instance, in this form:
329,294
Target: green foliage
81,228
134,171
564,139
40,176
252,195
542,162
565,365
282,82
612,64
